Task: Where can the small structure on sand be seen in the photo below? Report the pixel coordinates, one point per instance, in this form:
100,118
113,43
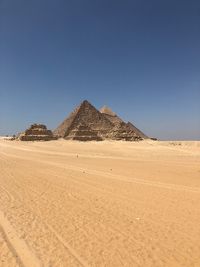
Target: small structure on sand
37,132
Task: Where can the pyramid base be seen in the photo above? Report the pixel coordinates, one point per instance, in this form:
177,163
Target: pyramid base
84,138
36,138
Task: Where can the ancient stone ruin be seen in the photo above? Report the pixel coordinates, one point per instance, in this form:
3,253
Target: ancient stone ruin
83,133
87,123
37,132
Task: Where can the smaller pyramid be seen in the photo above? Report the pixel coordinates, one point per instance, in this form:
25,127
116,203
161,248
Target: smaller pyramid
37,132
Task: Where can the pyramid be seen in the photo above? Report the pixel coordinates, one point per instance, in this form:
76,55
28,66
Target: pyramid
84,114
87,123
37,132
118,122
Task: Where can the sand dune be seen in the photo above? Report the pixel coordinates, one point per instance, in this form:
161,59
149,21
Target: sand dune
65,203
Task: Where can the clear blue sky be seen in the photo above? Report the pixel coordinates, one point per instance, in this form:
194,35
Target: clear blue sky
140,57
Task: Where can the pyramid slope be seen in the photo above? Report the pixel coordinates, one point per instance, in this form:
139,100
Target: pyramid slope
63,127
118,121
114,119
122,131
110,115
137,131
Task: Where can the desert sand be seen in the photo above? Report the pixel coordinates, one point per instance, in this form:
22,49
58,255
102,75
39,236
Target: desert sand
68,203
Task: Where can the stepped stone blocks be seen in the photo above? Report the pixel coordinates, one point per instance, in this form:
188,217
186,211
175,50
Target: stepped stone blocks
117,120
121,131
37,132
83,133
85,114
87,123
110,115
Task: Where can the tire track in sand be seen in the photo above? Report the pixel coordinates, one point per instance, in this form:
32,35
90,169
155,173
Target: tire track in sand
67,246
6,250
151,183
18,246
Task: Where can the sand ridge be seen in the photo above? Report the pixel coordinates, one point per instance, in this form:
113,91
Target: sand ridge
99,204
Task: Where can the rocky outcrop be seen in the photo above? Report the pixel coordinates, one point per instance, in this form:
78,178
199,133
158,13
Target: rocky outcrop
37,132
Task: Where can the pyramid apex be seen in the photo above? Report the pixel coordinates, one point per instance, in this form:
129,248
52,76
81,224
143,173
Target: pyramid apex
107,110
85,102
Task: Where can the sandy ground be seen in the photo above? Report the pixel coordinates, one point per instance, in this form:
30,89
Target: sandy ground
66,203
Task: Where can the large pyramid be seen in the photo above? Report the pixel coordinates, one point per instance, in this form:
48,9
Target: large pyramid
87,123
84,114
